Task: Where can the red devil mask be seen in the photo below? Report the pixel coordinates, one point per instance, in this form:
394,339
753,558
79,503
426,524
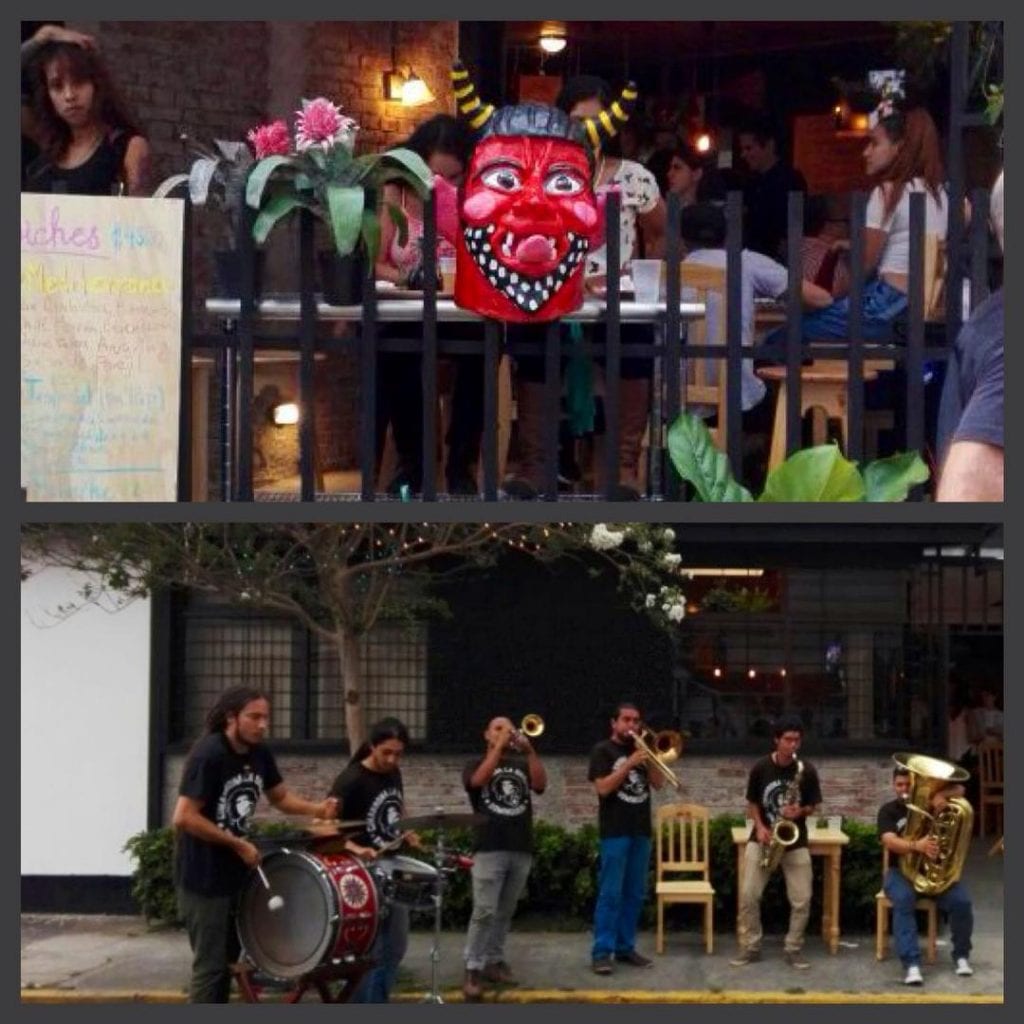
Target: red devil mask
528,211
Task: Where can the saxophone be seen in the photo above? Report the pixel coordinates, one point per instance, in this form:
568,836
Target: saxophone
784,832
951,827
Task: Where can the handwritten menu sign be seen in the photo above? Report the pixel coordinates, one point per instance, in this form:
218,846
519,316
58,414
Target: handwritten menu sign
100,347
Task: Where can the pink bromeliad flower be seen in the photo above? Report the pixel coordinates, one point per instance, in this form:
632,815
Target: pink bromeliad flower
320,123
270,140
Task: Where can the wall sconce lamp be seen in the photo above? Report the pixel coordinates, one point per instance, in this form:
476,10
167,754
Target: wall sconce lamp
703,142
552,37
404,86
285,414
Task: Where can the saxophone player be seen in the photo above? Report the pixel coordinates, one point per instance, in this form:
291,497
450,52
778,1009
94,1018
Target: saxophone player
892,822
782,792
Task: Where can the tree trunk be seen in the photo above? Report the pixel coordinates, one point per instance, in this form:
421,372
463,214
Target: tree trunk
352,684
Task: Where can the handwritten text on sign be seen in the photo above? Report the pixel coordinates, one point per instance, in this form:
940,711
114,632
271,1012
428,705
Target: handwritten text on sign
100,347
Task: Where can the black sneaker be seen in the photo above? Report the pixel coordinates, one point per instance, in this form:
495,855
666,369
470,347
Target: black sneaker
602,965
798,961
744,957
634,959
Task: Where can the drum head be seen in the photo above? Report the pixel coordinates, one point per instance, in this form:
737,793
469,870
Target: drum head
291,941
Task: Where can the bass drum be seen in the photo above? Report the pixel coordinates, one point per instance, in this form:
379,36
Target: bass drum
331,912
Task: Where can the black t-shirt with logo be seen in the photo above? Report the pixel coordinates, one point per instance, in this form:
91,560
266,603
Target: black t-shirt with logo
627,810
505,799
375,797
767,787
228,786
892,817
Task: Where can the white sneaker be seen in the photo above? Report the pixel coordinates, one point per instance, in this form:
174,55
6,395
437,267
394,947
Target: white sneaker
914,976
963,968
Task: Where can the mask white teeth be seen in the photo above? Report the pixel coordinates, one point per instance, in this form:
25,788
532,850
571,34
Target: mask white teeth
507,247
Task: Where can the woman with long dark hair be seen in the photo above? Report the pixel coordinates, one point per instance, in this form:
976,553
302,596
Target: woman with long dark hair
90,142
902,157
444,143
370,789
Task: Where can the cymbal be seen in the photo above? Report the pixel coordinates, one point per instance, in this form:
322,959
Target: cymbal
441,820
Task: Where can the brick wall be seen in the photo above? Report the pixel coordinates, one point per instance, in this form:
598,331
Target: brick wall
218,79
854,787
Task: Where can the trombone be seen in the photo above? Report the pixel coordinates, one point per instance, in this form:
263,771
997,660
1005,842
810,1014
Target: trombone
661,748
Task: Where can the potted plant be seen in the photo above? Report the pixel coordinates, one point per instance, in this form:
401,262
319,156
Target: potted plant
219,175
320,173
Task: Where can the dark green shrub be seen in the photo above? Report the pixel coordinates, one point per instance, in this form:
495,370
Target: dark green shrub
153,878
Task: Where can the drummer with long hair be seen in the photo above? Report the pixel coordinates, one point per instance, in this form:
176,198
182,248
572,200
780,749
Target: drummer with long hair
226,772
370,790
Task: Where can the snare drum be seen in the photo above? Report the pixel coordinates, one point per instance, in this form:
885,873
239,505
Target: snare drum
331,912
407,881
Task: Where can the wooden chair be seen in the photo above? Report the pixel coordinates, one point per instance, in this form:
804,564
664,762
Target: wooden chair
990,782
882,907
681,845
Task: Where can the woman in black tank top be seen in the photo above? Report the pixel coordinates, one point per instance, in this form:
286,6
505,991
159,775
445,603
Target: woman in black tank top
90,142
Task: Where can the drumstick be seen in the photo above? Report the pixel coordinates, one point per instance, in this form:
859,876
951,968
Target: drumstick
275,902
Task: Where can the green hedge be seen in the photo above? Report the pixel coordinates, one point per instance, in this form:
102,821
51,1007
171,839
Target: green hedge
563,883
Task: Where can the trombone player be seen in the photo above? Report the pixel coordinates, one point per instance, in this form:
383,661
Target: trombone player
623,768
499,785
782,792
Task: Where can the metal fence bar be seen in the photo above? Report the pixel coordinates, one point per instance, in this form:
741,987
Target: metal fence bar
915,335
672,349
247,251
368,392
958,70
492,341
429,362
307,344
855,343
734,331
225,362
794,317
552,393
184,487
613,346
978,242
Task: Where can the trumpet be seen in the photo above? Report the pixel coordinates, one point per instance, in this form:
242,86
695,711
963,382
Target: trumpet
660,748
531,727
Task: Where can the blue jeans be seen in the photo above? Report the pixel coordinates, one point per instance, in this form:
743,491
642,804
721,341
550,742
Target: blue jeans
881,305
621,886
388,950
955,901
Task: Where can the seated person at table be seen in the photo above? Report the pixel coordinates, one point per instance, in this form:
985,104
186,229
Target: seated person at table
444,144
703,230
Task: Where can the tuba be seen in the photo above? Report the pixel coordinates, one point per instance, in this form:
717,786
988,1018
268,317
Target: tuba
950,828
784,832
661,749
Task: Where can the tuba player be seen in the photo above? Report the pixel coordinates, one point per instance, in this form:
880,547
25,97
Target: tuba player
892,821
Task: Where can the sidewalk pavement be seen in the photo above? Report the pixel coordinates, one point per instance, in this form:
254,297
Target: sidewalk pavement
117,959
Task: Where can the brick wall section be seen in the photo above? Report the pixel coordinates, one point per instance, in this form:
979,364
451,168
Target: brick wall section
854,787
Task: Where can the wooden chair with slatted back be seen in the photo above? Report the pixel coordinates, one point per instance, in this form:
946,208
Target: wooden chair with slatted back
882,907
990,783
681,848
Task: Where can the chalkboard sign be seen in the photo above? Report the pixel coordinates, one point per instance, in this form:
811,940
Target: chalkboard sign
100,347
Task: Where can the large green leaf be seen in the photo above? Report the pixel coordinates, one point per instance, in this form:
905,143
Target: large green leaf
890,479
168,185
371,235
261,174
700,463
345,210
272,212
407,165
815,474
199,179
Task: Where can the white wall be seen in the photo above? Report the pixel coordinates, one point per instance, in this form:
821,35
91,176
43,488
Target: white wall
85,684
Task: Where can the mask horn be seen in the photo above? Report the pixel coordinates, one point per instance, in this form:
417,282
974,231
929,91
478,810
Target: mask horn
474,111
606,124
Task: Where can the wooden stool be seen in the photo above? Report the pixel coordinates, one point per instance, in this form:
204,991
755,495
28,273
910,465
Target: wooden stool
882,907
823,388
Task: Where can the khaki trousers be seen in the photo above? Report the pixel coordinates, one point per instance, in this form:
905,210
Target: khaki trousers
796,867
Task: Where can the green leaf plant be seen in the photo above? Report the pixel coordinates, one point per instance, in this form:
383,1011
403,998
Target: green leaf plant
820,473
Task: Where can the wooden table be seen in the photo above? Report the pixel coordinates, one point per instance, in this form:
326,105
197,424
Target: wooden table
822,842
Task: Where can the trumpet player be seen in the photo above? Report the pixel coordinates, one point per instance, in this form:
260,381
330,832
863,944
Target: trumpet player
500,785
782,791
892,822
620,772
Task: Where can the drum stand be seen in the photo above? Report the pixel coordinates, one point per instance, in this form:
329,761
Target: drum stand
434,995
350,974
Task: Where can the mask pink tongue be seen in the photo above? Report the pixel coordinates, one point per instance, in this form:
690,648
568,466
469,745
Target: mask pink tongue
535,249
